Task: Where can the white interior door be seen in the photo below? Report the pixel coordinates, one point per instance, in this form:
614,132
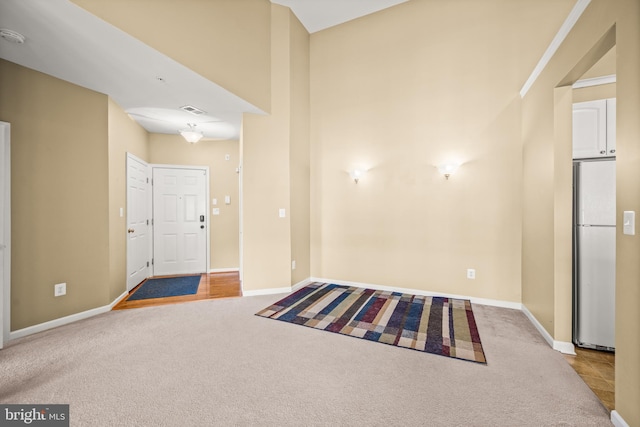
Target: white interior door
138,218
5,232
180,221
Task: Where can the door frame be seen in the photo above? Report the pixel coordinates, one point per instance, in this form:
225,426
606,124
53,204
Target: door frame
206,204
5,223
149,211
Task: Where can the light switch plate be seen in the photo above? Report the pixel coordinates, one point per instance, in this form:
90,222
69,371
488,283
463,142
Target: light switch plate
214,201
227,199
629,223
281,213
216,211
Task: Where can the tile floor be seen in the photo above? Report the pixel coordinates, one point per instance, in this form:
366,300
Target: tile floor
597,369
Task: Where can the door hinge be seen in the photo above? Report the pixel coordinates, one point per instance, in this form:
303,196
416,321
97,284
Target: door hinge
147,263
147,222
147,180
151,261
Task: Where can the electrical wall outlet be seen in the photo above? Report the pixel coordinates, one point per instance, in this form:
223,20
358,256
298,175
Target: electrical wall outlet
59,289
471,273
293,264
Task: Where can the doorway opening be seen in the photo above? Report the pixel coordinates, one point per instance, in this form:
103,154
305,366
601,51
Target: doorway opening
167,221
594,205
594,219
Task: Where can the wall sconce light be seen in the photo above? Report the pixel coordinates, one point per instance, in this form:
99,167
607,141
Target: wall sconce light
191,135
448,169
356,174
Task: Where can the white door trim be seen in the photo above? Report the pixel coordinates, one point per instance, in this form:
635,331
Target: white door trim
5,236
207,201
240,228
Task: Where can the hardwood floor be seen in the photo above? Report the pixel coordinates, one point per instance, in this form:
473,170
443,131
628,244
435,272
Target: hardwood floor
597,369
212,286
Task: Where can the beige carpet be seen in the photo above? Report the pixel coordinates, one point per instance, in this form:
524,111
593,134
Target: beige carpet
211,363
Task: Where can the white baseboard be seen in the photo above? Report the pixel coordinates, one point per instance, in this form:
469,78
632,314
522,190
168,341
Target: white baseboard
282,290
617,420
268,291
301,284
224,270
117,300
561,346
564,347
474,300
64,320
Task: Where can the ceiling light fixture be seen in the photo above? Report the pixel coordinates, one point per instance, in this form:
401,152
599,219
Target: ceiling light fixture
191,135
11,36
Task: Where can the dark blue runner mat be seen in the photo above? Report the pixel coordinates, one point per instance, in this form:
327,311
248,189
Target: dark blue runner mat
167,287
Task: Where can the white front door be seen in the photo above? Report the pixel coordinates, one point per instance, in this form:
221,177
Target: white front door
180,221
138,218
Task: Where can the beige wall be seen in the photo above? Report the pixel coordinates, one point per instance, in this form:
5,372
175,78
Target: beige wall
125,136
398,93
266,177
628,189
546,158
299,152
60,195
226,41
223,181
606,66
594,92
275,158
563,214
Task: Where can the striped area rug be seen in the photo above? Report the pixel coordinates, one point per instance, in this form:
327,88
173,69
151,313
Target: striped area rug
436,325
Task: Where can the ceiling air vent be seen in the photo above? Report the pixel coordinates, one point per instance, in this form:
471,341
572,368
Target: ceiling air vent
193,110
11,36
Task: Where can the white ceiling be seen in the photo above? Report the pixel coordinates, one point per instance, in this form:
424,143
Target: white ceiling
317,15
67,42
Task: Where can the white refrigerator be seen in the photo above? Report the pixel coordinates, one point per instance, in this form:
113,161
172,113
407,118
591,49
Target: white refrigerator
594,253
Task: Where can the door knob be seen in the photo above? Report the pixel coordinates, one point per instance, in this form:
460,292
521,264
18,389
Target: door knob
131,230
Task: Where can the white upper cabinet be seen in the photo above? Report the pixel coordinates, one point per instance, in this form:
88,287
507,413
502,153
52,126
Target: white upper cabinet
594,129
